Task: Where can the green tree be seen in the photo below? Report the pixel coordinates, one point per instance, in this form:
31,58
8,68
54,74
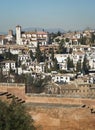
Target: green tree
57,40
82,40
29,84
58,33
52,54
44,57
79,66
67,39
1,57
38,54
20,78
32,55
56,66
92,37
14,116
60,51
9,56
1,75
39,84
46,67
85,66
70,63
35,85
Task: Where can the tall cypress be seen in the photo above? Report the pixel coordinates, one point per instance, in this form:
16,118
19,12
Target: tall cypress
38,54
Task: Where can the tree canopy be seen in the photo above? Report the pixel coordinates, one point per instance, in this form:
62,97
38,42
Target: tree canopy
79,66
13,116
38,54
36,85
85,67
70,63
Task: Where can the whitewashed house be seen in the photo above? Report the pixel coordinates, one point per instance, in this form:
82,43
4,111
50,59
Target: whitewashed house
78,56
24,57
38,68
32,38
15,51
91,59
8,65
62,60
61,78
61,57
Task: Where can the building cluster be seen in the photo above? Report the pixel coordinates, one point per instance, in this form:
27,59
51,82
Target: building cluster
69,49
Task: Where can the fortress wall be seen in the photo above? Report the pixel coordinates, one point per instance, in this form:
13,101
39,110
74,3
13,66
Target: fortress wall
15,89
60,100
19,90
56,118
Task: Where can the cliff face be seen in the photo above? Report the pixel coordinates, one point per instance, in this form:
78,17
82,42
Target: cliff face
63,118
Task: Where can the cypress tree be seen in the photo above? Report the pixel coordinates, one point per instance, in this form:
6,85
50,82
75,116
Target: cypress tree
38,54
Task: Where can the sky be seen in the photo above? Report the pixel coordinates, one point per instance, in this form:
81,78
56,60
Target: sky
65,14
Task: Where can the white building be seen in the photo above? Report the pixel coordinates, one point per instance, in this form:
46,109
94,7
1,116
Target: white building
33,38
10,37
37,68
15,51
2,39
62,60
1,42
24,57
8,65
91,59
18,35
61,57
61,78
78,56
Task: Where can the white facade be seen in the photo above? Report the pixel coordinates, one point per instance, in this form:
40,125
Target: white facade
23,57
38,68
9,37
32,38
18,35
92,64
78,56
7,65
19,70
63,66
61,57
61,78
1,42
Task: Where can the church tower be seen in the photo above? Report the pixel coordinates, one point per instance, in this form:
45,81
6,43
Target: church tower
18,35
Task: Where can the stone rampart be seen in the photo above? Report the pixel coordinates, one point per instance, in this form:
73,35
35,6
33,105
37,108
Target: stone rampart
56,117
71,97
15,89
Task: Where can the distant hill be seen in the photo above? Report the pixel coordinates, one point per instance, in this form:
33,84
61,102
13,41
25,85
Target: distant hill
50,30
45,29
3,33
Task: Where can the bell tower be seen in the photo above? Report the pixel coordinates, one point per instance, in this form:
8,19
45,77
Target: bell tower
18,35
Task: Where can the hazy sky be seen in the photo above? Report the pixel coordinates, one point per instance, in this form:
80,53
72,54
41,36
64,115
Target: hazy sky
65,14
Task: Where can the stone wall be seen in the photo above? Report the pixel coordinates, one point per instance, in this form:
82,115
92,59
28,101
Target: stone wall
72,90
71,95
15,89
57,112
